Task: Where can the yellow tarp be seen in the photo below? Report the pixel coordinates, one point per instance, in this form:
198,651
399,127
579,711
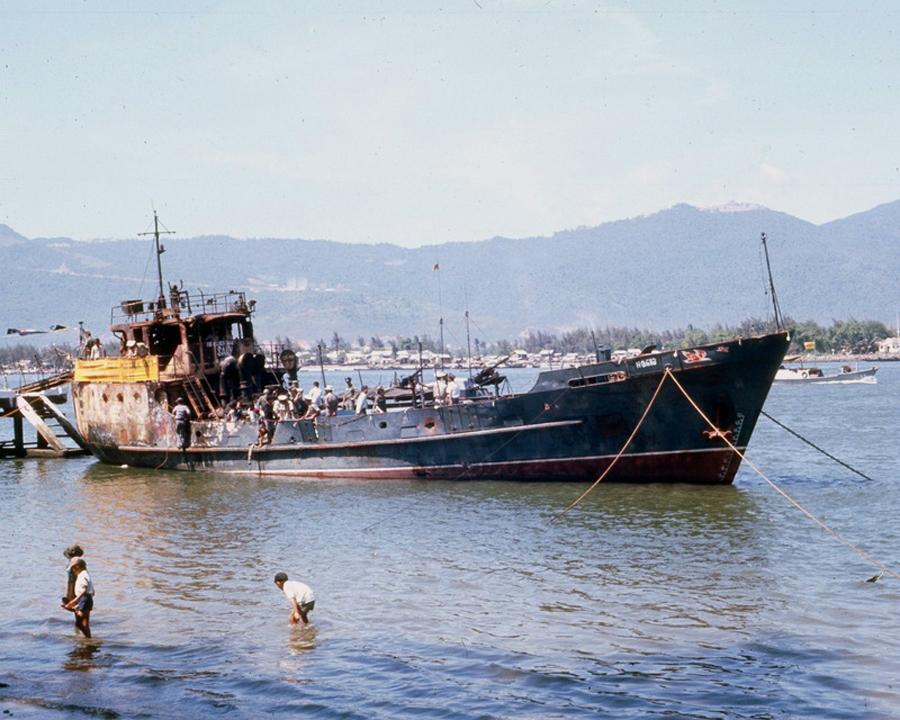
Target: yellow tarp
117,370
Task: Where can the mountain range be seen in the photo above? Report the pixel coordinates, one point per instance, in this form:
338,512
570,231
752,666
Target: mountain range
678,267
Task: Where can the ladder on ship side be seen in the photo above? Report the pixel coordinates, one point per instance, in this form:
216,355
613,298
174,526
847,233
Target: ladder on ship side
200,396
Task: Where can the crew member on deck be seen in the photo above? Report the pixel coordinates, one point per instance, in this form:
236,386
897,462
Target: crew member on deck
362,401
182,414
349,395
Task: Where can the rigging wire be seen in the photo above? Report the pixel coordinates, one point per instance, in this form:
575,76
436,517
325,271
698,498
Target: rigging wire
816,447
150,257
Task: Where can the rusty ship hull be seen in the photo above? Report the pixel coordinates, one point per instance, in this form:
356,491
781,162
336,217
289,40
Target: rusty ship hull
571,426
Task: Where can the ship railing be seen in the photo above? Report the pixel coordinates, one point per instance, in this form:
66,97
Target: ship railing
180,302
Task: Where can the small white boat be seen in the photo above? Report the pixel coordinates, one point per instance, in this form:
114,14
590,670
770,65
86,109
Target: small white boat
814,375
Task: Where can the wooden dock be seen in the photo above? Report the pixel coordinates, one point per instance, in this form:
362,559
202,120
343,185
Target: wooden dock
37,403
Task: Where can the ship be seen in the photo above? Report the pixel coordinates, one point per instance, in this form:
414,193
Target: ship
670,415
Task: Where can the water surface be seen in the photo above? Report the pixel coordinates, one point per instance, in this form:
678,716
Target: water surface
468,600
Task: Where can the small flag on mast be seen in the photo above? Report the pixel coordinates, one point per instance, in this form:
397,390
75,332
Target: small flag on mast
810,345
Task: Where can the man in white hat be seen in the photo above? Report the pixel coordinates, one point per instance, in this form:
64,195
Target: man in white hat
332,401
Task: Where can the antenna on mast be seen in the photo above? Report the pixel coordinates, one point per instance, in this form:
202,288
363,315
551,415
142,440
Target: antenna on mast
778,318
159,251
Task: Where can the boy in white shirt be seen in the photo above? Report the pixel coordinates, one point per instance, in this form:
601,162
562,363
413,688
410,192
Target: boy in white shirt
83,602
300,595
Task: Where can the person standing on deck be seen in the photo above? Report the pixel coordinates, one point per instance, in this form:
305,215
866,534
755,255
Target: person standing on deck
314,397
349,395
332,401
380,401
229,379
452,390
283,407
439,388
182,414
362,401
267,419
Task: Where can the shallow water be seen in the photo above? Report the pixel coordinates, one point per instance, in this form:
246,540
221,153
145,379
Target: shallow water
469,600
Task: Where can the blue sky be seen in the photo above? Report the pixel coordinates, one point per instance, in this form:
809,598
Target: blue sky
420,122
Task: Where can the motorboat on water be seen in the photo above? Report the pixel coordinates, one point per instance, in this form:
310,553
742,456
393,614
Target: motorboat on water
813,375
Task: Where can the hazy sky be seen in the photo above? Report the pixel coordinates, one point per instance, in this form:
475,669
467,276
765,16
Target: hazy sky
422,121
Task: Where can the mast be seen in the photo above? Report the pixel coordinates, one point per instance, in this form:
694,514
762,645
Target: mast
159,251
321,366
442,344
778,318
468,344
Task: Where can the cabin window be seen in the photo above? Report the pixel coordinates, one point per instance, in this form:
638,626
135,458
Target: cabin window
238,332
617,376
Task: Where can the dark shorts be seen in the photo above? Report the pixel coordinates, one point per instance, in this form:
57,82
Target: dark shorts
306,607
86,604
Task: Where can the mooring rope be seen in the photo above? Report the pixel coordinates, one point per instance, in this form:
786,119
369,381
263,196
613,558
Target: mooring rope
622,451
777,489
816,447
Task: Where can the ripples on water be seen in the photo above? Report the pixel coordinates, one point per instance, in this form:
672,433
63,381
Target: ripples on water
467,600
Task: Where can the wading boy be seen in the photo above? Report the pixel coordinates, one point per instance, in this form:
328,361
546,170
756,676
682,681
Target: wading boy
300,595
83,602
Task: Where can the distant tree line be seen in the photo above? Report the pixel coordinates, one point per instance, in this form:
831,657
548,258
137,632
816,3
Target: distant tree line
844,337
850,337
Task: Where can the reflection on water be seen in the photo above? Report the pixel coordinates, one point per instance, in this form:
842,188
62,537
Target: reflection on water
302,639
465,600
83,656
